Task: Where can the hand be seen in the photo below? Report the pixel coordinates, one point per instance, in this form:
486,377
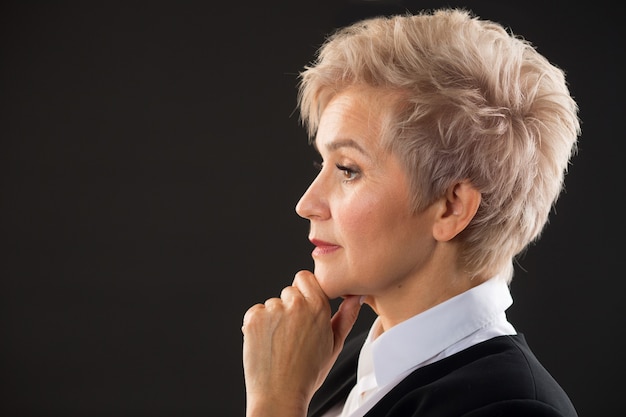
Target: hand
290,344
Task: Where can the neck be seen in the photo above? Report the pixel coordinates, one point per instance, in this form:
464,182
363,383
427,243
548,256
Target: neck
420,292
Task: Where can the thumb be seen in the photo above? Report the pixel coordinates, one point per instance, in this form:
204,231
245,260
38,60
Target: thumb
343,320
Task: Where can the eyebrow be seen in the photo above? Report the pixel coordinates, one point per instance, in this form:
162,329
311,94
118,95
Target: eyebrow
345,143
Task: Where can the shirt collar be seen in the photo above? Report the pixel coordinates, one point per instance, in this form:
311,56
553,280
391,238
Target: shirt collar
423,336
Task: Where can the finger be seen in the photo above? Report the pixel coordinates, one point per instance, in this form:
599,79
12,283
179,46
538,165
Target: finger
273,304
258,311
307,284
343,320
251,312
290,294
248,317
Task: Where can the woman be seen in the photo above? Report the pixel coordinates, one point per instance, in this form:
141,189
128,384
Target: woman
444,142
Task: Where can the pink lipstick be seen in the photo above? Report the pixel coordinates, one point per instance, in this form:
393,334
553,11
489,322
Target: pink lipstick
323,248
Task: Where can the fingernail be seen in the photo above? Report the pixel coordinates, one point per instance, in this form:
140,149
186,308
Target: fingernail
362,299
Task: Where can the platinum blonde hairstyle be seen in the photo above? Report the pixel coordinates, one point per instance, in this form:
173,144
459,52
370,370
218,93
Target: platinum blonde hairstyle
471,101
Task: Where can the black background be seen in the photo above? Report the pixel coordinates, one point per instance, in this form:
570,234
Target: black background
151,158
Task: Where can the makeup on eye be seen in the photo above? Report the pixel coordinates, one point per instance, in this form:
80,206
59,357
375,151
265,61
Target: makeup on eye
350,173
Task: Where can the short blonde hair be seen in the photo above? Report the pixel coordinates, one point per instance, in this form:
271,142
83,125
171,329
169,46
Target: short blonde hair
473,101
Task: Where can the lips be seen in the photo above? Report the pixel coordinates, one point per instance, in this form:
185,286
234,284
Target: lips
323,248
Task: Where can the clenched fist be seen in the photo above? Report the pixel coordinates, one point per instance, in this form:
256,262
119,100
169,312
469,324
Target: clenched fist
290,343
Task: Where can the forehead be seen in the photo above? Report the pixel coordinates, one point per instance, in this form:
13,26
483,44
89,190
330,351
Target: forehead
355,114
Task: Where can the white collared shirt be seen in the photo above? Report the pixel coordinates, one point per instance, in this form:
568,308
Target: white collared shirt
469,318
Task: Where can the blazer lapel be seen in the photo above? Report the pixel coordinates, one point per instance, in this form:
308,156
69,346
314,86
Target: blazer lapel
340,380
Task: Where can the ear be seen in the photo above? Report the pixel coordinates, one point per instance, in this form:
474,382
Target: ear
457,209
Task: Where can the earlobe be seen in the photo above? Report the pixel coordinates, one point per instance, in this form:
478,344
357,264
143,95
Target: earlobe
458,208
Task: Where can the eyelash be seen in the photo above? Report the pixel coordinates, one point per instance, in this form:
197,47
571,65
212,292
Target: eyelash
349,173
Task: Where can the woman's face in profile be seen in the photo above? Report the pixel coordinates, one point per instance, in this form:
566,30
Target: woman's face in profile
367,239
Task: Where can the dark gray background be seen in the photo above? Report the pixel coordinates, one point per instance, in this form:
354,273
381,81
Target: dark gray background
150,163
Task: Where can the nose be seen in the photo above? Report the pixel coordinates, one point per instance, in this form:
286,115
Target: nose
313,203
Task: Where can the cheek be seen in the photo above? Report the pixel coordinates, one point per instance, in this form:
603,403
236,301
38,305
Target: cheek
363,217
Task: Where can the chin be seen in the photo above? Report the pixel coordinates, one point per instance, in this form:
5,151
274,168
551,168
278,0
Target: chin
331,287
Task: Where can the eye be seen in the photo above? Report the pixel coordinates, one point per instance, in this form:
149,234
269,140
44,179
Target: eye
349,173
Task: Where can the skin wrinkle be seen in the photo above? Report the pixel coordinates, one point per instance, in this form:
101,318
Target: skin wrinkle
385,247
427,189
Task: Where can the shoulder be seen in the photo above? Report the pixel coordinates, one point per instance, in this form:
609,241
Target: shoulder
500,376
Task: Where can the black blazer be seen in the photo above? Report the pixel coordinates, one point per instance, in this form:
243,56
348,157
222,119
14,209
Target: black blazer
498,377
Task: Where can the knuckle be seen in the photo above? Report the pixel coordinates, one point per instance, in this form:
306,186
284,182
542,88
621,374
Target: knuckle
252,312
252,317
302,276
273,303
287,291
291,295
